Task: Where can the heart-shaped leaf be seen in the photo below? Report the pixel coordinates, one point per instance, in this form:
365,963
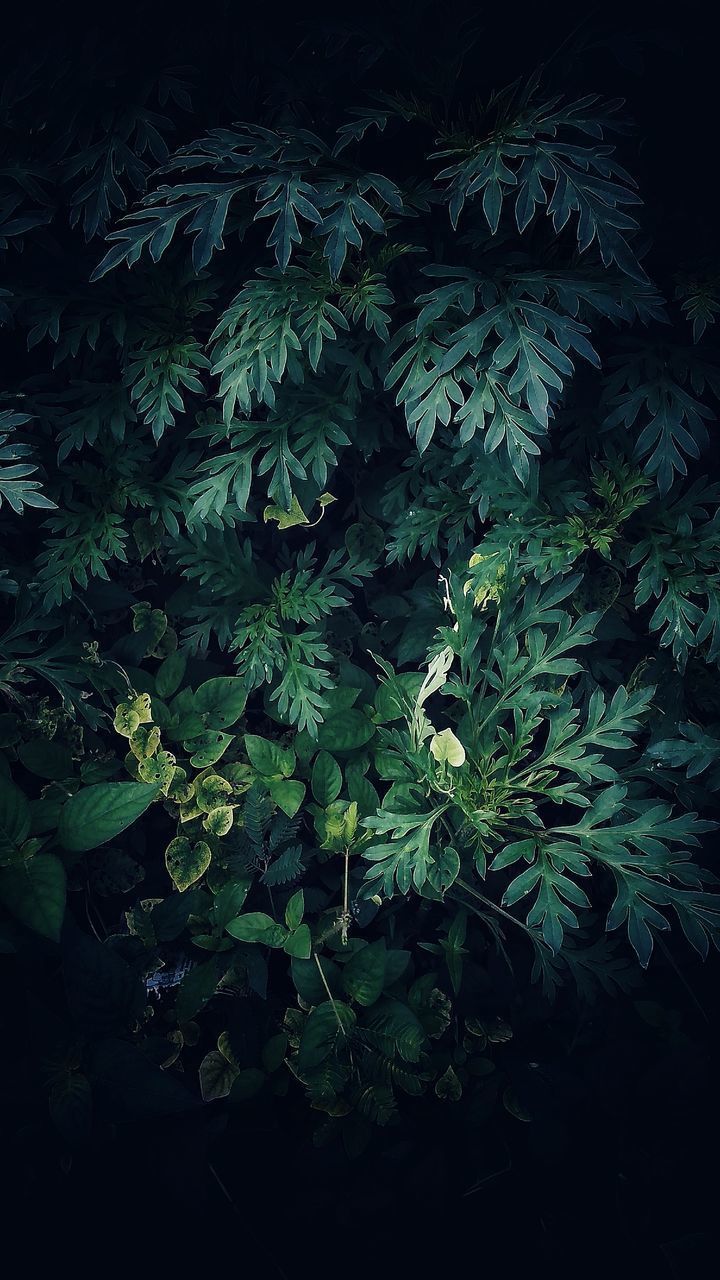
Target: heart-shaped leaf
211,791
445,747
187,862
217,1076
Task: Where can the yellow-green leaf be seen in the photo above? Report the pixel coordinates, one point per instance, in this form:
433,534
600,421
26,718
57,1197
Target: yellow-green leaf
187,862
219,821
286,519
446,748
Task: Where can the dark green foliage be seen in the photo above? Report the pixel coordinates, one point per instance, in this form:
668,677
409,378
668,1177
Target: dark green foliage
362,587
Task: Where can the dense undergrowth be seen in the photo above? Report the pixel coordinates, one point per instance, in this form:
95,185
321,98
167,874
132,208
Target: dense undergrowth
360,580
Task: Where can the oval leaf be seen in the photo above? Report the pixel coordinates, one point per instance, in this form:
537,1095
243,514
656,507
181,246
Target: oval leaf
170,673
221,700
345,732
208,747
100,812
326,779
269,758
256,926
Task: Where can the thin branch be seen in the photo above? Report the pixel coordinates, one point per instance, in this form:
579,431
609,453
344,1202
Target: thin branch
329,993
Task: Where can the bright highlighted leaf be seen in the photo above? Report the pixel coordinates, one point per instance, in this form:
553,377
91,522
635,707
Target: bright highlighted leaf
187,862
160,770
126,720
286,519
219,821
211,791
446,748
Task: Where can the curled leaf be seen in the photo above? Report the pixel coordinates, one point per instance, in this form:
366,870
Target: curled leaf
126,720
145,741
447,749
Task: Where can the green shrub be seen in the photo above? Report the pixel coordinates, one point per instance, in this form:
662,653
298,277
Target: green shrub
362,585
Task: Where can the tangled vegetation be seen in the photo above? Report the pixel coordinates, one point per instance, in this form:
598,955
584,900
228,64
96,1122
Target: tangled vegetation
361,583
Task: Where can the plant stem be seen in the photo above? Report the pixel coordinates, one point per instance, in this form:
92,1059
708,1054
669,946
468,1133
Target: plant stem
483,686
346,908
329,993
488,902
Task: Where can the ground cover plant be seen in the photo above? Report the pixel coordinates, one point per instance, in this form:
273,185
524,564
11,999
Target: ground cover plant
360,585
